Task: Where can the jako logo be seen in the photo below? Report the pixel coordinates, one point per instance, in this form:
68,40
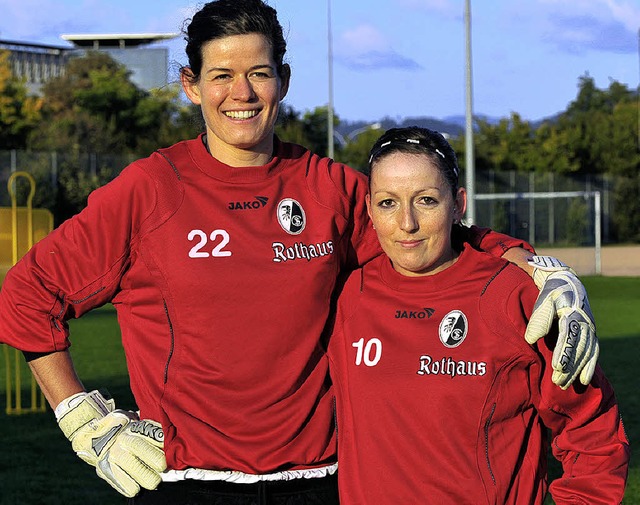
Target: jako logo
291,216
415,314
569,350
453,329
258,203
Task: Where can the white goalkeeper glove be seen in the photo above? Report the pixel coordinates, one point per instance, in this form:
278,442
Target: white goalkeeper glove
563,296
127,452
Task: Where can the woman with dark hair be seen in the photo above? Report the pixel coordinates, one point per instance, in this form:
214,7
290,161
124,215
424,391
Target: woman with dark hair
451,405
220,254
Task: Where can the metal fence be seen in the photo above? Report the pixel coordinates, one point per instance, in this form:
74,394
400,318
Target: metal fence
46,168
552,220
564,221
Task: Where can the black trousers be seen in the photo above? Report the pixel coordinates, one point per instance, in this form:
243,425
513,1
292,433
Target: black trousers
320,491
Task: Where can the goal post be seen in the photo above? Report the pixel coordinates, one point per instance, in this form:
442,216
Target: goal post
532,196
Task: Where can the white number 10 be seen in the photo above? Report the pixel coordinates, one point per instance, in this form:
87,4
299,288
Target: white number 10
370,353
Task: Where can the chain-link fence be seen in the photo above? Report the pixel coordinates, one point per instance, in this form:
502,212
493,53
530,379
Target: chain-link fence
557,221
57,173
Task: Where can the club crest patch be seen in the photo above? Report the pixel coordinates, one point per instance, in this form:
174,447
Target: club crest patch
453,329
291,216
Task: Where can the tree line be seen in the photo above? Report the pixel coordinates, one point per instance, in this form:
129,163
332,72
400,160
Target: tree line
95,107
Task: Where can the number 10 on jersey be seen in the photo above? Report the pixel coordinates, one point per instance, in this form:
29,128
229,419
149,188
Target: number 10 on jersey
368,352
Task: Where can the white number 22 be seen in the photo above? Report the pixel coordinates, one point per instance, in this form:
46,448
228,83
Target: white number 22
219,237
370,353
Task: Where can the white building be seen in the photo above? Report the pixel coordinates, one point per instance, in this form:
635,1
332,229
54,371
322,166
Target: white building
147,61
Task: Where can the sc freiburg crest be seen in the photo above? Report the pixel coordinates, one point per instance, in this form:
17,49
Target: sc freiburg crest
291,216
453,328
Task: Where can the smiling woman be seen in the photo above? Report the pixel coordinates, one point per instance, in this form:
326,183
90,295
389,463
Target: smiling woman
239,88
220,254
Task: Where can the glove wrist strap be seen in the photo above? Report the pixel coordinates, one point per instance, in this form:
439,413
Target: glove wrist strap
81,408
544,266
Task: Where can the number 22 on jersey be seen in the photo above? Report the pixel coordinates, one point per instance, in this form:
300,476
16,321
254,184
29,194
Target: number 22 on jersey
218,239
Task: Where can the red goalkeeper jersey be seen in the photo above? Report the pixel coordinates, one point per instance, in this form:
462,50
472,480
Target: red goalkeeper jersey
441,400
222,278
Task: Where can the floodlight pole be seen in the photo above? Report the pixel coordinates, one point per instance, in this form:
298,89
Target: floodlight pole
330,145
470,182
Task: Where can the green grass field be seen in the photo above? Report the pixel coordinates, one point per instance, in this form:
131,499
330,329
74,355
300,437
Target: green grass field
38,467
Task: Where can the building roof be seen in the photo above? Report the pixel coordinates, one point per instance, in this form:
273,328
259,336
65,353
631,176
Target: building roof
116,40
14,45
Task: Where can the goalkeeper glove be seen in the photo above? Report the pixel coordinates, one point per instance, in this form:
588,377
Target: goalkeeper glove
562,295
127,452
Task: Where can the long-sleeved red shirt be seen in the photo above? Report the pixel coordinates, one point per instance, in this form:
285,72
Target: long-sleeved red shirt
441,400
222,278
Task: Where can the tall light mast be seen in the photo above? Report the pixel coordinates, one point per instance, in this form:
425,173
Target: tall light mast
330,149
470,181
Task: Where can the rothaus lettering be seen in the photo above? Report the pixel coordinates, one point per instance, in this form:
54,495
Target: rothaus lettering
449,366
299,250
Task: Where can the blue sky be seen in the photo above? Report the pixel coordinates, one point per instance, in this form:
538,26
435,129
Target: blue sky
397,58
